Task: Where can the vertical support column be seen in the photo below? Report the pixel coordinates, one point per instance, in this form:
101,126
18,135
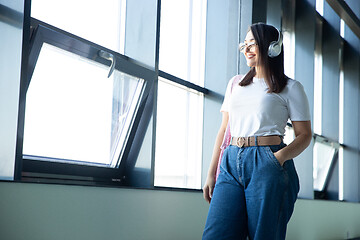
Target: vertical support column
304,72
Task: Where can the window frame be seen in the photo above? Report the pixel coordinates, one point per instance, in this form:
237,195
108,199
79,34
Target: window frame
43,169
320,139
182,82
32,170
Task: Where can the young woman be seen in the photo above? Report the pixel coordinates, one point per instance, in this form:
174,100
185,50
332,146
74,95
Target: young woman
257,187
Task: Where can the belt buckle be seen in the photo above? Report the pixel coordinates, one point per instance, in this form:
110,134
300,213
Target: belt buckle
238,142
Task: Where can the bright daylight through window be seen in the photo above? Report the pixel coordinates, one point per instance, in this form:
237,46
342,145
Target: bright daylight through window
101,22
178,153
178,137
74,112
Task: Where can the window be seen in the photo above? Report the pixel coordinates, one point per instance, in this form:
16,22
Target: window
178,151
74,112
101,22
288,32
325,154
88,107
84,104
328,161
178,136
182,39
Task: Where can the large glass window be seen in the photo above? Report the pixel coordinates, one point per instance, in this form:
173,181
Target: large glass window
101,22
325,153
178,154
84,104
75,112
178,136
288,33
88,106
182,39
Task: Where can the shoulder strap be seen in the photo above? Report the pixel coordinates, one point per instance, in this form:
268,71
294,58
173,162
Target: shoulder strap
237,79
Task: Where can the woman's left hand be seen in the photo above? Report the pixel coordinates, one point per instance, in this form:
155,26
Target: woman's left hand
279,157
302,139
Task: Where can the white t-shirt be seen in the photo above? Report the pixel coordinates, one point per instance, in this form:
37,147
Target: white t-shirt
254,112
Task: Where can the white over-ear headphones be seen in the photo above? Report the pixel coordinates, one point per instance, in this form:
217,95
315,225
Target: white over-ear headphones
275,46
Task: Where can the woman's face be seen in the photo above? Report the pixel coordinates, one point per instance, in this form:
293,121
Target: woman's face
251,51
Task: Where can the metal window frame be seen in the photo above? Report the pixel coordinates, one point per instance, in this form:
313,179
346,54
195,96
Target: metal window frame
36,169
64,173
322,194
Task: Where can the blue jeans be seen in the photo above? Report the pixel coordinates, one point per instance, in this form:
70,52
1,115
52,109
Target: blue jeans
254,195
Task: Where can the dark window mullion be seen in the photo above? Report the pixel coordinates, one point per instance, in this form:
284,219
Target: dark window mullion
183,82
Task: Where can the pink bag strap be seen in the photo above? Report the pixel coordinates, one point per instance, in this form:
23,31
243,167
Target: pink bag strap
227,135
237,79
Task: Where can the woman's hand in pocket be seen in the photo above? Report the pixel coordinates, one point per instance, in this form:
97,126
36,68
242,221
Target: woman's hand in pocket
279,157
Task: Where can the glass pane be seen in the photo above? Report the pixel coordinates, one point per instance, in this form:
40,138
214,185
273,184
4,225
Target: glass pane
74,112
323,157
178,137
182,39
97,21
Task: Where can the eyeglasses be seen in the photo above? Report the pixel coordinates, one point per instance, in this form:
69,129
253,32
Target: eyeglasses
243,47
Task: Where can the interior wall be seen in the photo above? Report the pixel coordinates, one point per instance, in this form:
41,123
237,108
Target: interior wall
57,212
11,20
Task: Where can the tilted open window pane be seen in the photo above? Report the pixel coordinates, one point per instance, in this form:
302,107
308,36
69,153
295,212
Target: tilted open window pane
74,112
178,136
324,156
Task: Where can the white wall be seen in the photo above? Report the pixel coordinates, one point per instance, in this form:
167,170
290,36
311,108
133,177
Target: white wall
51,212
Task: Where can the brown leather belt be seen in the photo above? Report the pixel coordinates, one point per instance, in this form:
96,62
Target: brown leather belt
261,141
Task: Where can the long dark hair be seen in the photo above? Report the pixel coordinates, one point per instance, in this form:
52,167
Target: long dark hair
273,67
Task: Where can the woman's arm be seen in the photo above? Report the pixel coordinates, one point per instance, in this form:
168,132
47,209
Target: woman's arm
210,180
302,139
